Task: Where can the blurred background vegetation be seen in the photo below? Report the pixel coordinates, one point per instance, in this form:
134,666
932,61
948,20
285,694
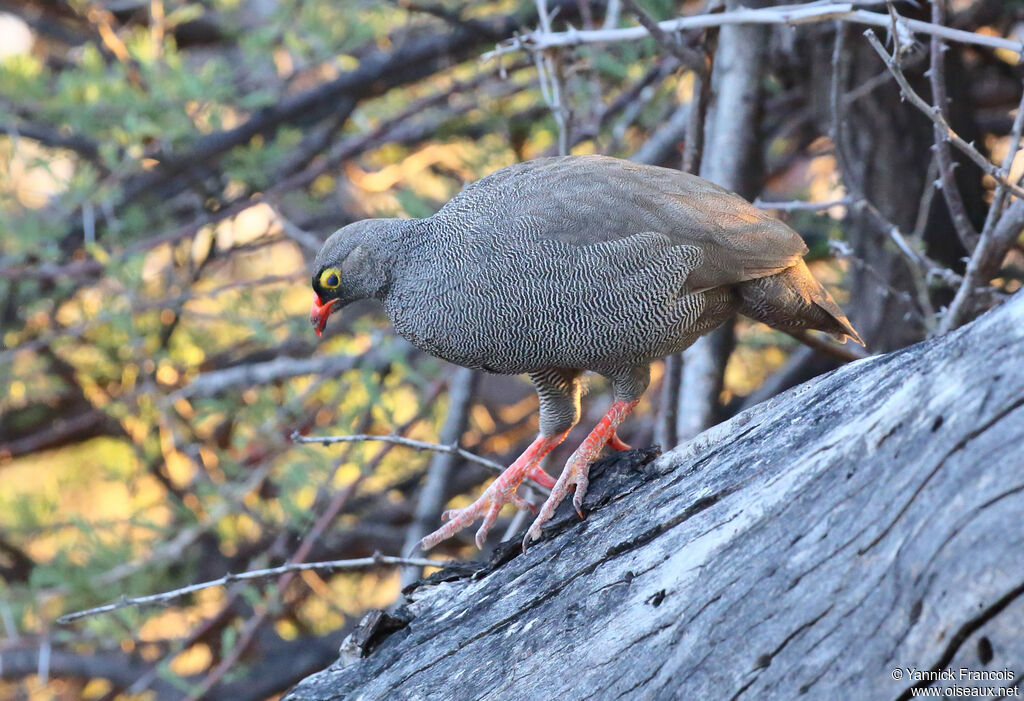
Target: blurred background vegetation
168,168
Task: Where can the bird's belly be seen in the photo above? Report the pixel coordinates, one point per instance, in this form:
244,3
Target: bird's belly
496,326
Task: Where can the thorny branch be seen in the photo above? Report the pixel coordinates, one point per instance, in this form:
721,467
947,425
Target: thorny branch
1002,227
937,78
783,14
253,575
688,57
945,130
403,441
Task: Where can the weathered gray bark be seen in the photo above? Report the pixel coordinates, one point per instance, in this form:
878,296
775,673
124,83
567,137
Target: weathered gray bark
866,521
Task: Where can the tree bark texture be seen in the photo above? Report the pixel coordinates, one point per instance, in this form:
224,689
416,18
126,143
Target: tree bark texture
866,521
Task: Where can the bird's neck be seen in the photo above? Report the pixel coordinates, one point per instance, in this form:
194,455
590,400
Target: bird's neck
397,244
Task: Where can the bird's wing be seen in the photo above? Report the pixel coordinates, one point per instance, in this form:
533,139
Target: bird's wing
587,200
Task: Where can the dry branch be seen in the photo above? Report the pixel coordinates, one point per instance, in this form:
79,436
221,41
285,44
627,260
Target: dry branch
690,58
989,253
783,14
802,206
432,495
946,132
253,575
937,78
212,383
403,441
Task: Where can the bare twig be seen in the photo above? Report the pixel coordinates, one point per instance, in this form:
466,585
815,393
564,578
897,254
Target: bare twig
981,262
833,350
693,60
252,626
802,206
908,92
376,560
922,267
782,14
612,13
1000,231
665,140
552,88
403,441
950,190
854,185
633,101
432,495
211,383
999,197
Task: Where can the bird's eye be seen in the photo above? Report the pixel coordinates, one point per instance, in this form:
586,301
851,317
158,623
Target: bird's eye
329,279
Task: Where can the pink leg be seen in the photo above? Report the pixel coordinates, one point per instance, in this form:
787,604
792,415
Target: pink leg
500,492
577,469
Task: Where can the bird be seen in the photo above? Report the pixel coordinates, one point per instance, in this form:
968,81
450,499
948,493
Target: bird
560,266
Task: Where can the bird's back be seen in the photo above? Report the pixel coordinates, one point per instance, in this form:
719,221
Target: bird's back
587,200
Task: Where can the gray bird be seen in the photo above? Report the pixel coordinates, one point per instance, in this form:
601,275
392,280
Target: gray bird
563,265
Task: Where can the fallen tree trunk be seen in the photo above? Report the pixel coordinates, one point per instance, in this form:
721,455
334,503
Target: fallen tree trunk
861,527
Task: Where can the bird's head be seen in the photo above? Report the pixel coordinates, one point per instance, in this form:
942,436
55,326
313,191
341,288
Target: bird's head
352,264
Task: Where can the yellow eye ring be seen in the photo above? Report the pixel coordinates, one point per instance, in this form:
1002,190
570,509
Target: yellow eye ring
330,279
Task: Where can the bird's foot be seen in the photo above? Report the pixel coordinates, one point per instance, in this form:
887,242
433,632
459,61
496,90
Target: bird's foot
488,506
576,473
500,492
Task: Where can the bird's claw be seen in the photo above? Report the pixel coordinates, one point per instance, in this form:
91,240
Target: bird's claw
576,474
487,506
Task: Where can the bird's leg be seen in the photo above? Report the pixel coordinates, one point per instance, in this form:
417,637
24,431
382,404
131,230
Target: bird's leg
500,492
577,469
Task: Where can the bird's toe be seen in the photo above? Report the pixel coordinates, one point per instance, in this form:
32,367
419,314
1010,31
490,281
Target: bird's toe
542,478
581,491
